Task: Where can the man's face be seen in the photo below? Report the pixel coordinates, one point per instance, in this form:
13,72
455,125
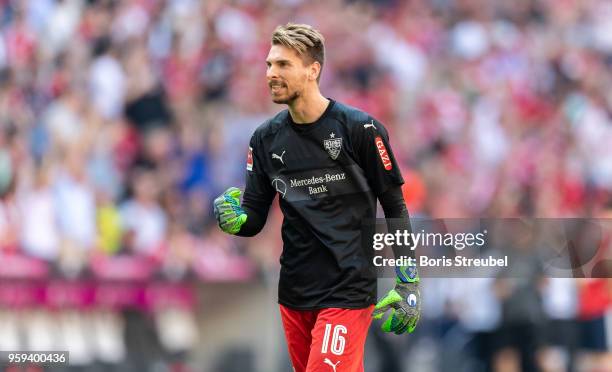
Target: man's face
287,75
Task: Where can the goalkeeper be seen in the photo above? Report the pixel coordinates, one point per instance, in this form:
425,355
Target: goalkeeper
328,163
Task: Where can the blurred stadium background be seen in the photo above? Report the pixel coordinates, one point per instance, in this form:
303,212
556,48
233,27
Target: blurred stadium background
120,120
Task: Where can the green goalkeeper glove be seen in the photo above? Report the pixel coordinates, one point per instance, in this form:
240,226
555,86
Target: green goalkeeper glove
404,301
230,215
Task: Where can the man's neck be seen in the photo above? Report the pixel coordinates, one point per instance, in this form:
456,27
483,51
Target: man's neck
308,108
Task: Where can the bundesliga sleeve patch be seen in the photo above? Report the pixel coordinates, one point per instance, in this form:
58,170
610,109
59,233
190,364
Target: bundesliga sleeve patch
384,155
250,159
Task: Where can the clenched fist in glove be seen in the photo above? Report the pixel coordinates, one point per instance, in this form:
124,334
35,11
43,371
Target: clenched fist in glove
230,215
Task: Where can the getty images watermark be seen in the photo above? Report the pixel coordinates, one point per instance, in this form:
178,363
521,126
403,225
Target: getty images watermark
411,240
493,247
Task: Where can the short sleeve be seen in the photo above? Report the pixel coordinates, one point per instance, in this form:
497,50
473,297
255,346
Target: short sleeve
375,156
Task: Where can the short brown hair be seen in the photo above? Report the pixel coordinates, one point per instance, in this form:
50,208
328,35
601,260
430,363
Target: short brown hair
304,39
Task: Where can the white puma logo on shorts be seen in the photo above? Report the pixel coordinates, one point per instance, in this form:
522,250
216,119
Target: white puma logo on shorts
327,361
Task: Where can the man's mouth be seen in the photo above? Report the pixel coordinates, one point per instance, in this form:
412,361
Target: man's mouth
275,88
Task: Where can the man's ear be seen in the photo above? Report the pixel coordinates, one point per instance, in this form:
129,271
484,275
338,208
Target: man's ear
315,70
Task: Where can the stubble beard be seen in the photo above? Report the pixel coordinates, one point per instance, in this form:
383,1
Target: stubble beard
287,101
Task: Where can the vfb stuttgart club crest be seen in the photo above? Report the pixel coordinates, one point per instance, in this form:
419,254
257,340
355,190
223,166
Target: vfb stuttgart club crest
333,145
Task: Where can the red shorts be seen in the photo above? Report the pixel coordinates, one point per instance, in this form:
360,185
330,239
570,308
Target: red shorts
326,340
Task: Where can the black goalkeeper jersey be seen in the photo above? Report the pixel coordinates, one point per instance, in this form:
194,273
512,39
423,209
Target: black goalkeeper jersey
327,175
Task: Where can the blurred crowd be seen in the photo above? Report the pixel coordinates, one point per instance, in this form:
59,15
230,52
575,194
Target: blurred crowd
121,120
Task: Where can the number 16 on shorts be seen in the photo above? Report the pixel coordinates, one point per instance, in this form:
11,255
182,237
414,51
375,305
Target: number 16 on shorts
336,333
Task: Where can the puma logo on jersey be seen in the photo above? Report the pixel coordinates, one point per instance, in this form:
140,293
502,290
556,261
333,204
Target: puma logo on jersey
384,155
279,157
329,362
369,125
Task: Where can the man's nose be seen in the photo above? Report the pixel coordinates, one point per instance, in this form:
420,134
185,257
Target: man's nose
272,73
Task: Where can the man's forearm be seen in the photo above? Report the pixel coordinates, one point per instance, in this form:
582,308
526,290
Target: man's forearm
403,301
397,217
257,212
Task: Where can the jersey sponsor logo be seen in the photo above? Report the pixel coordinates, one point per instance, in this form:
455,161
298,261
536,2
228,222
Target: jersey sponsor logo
250,159
280,186
317,185
382,151
370,125
333,145
327,177
329,362
317,190
279,157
